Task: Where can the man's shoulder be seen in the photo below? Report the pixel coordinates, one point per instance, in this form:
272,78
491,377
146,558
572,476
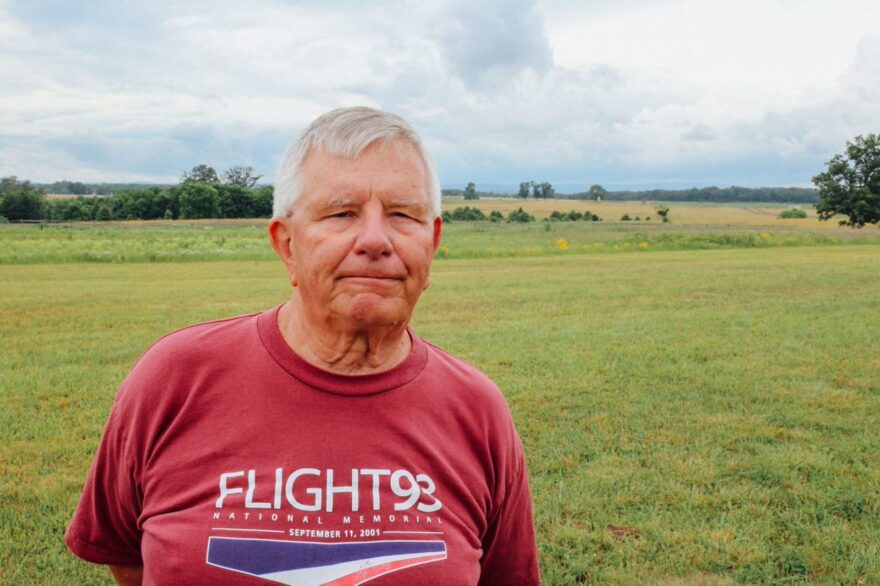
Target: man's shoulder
472,400
204,340
464,377
187,354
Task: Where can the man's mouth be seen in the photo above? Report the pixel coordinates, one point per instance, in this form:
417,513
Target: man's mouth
374,276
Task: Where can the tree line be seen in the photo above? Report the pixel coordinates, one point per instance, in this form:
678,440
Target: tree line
201,193
850,186
545,190
710,194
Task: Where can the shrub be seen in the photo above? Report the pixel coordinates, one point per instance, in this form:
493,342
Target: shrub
625,218
572,216
467,214
495,216
793,214
521,216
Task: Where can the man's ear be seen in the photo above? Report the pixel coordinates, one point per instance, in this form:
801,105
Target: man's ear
281,236
438,232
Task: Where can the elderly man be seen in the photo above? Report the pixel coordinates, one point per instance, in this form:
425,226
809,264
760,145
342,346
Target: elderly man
322,441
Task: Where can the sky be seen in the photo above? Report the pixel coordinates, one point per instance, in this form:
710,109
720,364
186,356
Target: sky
634,94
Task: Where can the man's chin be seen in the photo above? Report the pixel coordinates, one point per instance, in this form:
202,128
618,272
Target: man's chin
366,312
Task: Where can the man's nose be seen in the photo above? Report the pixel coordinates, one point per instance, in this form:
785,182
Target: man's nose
373,240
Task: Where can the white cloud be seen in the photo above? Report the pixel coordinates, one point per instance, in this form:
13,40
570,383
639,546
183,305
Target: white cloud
502,90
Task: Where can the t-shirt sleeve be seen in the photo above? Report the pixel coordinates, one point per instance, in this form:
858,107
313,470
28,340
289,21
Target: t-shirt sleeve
104,529
509,549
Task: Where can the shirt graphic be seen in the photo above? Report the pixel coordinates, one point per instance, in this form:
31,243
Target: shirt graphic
310,563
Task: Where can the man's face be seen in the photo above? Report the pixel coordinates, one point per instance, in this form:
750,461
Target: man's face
363,236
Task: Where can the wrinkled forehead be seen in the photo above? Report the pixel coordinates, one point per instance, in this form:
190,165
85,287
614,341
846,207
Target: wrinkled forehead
394,168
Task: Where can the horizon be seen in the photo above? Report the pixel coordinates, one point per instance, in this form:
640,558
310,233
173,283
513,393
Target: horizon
490,189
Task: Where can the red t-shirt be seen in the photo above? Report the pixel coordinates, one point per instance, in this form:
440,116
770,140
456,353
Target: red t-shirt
227,458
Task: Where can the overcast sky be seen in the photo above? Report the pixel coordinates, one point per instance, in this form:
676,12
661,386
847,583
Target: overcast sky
631,94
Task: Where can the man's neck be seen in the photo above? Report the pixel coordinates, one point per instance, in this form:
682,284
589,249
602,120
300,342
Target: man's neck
352,352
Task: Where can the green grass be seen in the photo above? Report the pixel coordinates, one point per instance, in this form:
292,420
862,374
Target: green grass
723,403
165,242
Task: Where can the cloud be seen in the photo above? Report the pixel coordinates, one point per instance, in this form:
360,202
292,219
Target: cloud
644,92
487,42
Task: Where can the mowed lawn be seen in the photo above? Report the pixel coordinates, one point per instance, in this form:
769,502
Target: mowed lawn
693,416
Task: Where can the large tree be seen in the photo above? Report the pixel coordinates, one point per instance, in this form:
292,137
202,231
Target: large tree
598,193
470,192
851,185
242,176
19,200
201,174
199,200
524,188
543,190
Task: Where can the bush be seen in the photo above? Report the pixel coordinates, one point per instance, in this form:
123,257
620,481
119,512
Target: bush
465,214
625,218
520,216
495,216
793,214
572,216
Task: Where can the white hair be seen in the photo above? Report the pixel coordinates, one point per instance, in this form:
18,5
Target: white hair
345,132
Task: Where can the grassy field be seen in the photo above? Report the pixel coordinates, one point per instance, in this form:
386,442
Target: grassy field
693,226
691,416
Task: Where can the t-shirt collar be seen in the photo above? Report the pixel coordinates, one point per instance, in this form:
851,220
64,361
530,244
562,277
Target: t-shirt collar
331,382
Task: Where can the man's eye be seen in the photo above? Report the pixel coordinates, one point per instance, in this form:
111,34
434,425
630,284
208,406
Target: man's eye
342,215
402,215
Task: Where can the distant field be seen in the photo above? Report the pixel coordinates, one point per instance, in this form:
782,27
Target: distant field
687,213
690,416
691,227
